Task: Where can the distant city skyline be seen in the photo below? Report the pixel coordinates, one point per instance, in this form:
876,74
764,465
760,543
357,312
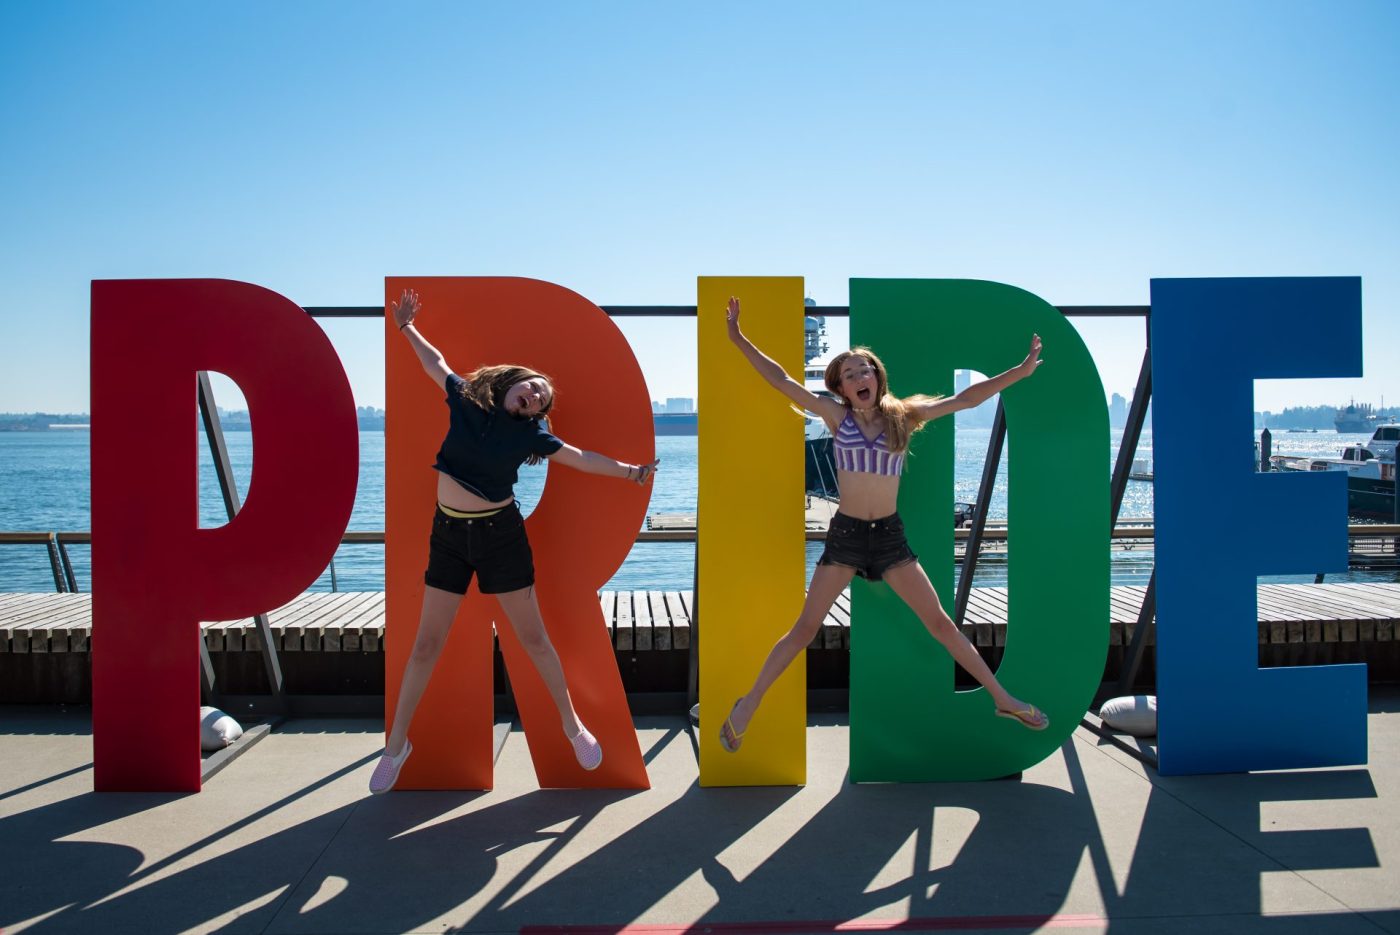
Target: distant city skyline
679,404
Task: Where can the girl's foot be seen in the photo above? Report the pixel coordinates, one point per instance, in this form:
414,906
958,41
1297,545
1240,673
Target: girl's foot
731,735
587,750
1028,715
386,772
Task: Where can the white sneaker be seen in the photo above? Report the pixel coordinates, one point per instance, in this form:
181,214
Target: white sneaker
386,773
587,749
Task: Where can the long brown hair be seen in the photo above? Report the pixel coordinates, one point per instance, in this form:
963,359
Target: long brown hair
487,387
901,423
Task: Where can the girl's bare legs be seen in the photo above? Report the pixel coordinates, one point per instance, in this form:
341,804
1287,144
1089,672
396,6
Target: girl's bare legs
828,581
911,583
439,609
523,611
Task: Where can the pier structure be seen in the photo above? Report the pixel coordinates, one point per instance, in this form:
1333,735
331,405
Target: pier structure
329,645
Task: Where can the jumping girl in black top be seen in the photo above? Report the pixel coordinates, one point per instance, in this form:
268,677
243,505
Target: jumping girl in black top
496,424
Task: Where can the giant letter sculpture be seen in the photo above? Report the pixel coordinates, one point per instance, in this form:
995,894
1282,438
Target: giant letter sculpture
752,546
907,722
1211,338
155,574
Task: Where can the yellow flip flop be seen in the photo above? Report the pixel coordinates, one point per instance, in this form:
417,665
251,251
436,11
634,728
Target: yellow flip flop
1029,717
729,726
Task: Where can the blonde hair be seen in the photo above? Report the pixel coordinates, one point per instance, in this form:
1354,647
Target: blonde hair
901,423
487,387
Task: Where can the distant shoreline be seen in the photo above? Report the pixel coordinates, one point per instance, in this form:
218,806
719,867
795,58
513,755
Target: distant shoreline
370,419
366,425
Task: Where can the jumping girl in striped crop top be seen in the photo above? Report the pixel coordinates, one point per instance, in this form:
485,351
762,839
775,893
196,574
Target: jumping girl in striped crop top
871,430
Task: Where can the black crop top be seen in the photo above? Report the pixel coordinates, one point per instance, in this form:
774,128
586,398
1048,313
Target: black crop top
484,450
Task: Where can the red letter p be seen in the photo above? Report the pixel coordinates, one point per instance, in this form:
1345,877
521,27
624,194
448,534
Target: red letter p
155,574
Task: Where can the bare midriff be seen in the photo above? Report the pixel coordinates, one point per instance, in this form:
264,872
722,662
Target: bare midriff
867,496
453,496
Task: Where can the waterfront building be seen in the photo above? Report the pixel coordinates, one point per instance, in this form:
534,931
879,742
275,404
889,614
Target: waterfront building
1117,411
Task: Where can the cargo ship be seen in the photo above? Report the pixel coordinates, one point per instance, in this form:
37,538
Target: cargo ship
1363,418
676,423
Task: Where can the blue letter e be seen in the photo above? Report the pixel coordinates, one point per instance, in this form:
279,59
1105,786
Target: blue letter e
1220,524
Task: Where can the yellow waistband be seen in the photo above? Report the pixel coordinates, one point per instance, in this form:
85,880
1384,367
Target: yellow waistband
458,514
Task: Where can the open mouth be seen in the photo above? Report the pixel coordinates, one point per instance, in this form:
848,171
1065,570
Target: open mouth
863,394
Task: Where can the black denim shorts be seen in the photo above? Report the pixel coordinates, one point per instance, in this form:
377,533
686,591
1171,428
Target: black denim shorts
494,548
870,546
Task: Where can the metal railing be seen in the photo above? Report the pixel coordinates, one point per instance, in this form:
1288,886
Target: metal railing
1371,545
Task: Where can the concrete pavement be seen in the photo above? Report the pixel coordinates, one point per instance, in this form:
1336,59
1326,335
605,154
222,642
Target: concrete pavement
286,840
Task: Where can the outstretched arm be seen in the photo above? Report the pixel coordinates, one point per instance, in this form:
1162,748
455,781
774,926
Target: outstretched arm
405,310
590,462
771,371
978,393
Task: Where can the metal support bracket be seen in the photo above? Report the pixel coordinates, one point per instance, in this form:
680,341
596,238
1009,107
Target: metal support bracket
979,520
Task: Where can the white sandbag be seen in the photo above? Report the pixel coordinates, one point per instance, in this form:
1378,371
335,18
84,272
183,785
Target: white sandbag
1131,714
216,729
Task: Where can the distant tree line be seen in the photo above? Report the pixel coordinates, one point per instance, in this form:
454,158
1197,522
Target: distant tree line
1298,417
38,421
237,420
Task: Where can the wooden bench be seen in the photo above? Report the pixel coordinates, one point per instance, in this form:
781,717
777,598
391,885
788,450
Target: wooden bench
651,621
317,621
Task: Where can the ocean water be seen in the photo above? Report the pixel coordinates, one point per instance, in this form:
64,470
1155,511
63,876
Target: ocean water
44,487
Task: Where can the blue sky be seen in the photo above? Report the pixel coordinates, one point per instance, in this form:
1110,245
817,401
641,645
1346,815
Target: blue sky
622,149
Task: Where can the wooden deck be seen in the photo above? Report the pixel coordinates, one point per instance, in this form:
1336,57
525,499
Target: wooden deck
643,621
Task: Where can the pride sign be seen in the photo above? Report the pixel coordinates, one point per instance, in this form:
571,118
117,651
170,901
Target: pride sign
1211,338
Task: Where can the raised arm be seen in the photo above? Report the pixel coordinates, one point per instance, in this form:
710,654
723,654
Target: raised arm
590,462
978,393
405,310
771,371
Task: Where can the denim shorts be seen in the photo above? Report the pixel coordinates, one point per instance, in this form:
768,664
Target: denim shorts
870,546
494,548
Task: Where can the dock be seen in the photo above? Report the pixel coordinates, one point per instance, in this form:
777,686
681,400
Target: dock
646,621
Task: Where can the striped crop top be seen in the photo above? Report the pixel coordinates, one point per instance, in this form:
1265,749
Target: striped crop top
855,452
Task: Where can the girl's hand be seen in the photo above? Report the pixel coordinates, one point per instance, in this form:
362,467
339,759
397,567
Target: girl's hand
643,472
405,309
1032,360
732,318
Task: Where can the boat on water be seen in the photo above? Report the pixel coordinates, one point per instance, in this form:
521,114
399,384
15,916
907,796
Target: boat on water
820,465
1383,441
1356,418
676,423
1370,470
